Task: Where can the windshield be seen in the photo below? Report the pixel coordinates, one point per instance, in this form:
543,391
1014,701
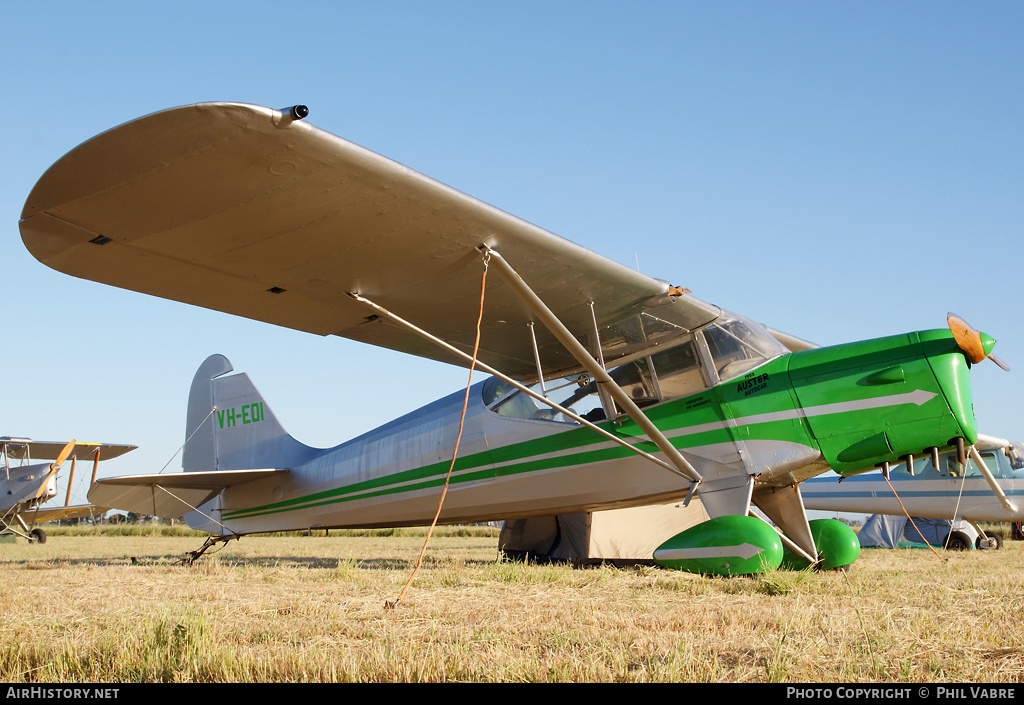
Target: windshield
738,345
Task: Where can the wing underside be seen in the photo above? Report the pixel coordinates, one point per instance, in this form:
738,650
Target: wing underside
234,208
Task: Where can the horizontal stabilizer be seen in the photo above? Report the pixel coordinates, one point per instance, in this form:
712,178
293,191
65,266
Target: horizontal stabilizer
172,495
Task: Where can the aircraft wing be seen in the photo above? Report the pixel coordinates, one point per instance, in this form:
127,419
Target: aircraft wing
22,448
172,495
74,511
792,343
242,209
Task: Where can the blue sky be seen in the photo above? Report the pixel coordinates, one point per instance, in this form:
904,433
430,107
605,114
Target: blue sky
837,170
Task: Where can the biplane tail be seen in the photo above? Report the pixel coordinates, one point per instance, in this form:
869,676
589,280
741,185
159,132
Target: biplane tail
229,426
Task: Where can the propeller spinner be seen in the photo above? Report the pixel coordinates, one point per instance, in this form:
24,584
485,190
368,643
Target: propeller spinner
55,466
975,344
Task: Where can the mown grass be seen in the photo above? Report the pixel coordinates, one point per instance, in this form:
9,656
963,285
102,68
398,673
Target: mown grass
312,608
148,529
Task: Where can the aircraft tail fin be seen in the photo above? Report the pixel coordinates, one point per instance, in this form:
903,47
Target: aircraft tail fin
229,426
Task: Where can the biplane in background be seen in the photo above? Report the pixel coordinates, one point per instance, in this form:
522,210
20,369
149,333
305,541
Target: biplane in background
26,486
988,486
608,388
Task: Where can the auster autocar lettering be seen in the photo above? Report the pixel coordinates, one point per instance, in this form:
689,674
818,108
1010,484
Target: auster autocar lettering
754,384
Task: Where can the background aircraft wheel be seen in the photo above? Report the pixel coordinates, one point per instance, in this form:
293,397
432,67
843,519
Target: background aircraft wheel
37,536
997,540
957,541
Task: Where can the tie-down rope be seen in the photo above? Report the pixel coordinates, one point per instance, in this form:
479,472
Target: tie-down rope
458,438
910,519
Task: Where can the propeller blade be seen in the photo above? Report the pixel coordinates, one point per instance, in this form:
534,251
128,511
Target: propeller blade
976,345
64,453
966,337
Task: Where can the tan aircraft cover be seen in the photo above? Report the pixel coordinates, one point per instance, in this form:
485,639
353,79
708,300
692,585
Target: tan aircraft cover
617,535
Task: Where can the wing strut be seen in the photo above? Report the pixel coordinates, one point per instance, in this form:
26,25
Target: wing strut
596,370
71,478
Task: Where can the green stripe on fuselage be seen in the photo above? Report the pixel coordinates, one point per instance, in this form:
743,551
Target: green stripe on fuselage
569,448
763,404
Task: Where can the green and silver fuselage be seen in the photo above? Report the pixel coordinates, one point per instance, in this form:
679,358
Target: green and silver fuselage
794,415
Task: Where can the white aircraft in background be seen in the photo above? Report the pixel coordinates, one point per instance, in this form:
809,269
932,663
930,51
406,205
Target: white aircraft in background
26,486
952,489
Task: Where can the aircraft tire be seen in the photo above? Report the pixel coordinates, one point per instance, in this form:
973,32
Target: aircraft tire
38,536
991,535
957,541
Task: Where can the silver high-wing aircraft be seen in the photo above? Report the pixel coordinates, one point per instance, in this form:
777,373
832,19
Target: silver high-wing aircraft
609,388
950,489
26,486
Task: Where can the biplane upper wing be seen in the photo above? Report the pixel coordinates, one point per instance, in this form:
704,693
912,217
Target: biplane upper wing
26,448
243,209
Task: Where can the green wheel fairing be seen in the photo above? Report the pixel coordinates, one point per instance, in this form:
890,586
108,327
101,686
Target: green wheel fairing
727,545
836,542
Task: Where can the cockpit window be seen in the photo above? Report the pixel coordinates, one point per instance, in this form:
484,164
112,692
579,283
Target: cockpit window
679,371
971,469
494,389
738,345
670,374
949,467
578,394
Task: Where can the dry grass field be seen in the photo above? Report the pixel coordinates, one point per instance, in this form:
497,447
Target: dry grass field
312,608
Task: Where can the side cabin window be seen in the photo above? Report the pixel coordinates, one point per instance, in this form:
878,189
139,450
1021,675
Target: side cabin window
670,374
922,466
955,469
950,468
679,371
736,346
1015,455
579,394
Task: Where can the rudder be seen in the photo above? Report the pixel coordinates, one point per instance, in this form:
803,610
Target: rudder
229,426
